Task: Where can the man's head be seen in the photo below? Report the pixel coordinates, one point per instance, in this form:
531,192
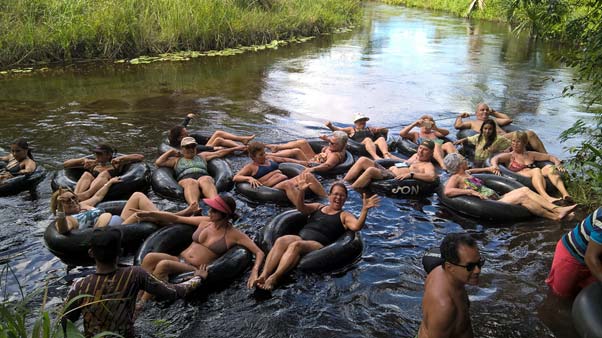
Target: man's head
338,141
482,112
425,150
103,152
105,245
360,120
461,258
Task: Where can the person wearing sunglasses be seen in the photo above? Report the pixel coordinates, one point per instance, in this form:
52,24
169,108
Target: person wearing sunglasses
191,168
445,304
19,161
99,170
301,151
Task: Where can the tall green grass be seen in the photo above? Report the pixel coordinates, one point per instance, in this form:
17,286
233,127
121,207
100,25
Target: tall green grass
33,31
494,10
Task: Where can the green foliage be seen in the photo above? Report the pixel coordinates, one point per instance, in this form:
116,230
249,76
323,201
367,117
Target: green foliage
39,31
490,11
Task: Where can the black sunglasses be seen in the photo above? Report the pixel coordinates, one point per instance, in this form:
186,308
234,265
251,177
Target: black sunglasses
189,146
470,266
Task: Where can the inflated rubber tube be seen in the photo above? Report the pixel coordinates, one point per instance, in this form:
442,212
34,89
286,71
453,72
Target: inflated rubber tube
487,209
72,247
201,141
431,259
344,251
587,311
410,148
341,168
266,194
402,188
175,238
134,177
15,185
525,180
164,183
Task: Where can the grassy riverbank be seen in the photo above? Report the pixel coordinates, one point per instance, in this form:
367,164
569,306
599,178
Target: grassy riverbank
493,10
34,31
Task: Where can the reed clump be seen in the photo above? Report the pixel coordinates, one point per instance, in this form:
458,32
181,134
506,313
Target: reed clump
39,31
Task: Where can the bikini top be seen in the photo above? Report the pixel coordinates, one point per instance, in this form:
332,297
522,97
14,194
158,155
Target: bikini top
515,166
218,247
479,186
263,170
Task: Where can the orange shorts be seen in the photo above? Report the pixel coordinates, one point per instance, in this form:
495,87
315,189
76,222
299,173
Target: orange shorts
567,275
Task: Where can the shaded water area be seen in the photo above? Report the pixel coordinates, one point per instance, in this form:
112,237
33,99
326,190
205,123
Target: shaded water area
396,65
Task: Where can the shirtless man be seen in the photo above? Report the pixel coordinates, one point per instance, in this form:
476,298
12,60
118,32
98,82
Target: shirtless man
483,113
445,302
418,166
430,131
301,151
371,137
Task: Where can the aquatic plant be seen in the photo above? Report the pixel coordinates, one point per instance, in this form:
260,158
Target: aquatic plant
42,31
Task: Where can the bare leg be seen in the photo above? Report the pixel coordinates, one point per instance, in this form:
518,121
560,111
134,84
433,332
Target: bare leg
539,182
297,144
161,265
438,156
192,192
227,136
358,167
275,178
368,176
96,184
449,148
103,220
371,148
207,186
289,260
137,201
220,142
83,183
535,142
382,145
556,180
275,255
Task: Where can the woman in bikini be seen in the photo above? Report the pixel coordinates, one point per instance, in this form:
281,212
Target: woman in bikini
325,225
73,213
263,170
522,162
99,170
19,161
430,131
214,236
462,183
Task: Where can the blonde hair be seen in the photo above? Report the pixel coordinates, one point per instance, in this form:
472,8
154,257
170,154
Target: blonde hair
54,200
521,136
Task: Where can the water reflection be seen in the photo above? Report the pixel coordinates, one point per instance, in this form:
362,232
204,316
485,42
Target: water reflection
399,64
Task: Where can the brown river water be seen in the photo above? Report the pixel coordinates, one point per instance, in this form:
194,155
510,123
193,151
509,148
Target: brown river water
394,66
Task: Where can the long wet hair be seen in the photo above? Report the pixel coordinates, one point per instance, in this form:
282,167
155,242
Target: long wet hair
489,140
21,143
174,136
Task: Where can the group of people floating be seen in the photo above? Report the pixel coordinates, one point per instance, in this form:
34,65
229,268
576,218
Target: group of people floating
445,303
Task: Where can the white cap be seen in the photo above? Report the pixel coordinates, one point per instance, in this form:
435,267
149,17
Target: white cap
359,116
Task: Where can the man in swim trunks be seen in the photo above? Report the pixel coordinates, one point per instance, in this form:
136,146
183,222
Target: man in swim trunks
99,170
111,291
445,304
371,137
418,167
300,150
483,113
577,259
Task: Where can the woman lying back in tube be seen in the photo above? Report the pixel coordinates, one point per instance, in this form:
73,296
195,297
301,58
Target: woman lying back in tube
462,183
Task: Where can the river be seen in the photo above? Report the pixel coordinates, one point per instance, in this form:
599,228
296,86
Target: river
397,64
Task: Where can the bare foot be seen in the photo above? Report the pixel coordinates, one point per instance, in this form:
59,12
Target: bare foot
564,211
376,158
273,147
269,284
259,281
248,139
191,209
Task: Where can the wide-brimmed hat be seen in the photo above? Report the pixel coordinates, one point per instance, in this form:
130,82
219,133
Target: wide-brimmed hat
359,117
103,148
187,140
218,204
